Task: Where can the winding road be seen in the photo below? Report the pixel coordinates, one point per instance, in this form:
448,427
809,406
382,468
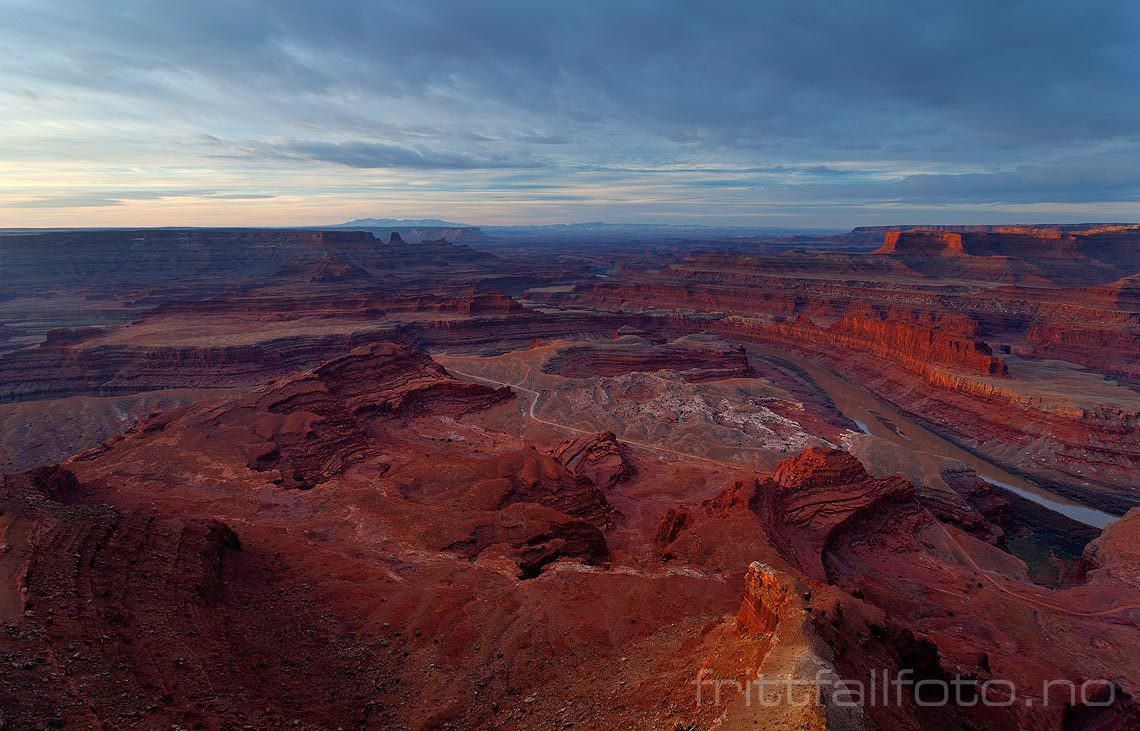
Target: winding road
985,573
878,418
566,427
1032,600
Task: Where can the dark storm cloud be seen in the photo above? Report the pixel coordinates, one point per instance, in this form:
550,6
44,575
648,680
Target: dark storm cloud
945,101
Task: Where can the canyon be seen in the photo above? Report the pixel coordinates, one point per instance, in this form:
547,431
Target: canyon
371,478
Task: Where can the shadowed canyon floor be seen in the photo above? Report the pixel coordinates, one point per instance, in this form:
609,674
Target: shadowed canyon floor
316,480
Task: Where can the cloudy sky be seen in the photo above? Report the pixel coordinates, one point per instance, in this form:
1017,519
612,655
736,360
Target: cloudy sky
764,112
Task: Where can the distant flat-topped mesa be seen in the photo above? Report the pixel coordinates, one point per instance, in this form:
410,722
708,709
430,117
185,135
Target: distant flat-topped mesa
413,233
152,255
1116,244
1064,228
922,243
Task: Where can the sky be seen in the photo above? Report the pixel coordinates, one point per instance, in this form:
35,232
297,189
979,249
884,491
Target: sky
815,113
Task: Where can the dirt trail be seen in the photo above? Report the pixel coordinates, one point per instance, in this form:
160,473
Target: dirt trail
643,445
882,420
1035,601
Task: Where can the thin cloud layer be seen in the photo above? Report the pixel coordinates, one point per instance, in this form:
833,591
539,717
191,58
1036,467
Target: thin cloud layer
359,154
805,110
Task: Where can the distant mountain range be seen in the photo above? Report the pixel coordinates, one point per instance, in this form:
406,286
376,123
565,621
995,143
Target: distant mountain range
399,223
588,231
640,231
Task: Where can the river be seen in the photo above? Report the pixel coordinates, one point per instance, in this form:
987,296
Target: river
875,416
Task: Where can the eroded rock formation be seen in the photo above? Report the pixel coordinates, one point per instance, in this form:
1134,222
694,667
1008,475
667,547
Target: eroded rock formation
599,457
696,358
811,498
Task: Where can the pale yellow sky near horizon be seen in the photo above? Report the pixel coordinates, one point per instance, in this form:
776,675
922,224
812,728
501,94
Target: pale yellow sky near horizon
327,209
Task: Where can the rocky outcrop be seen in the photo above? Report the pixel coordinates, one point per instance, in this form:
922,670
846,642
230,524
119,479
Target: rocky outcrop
534,536
1109,244
534,477
324,271
918,340
924,344
879,545
315,422
810,498
921,243
85,364
302,430
793,687
125,618
488,303
673,522
335,303
67,335
867,647
983,497
51,372
523,506
1114,557
599,457
694,357
36,433
770,597
130,259
960,497
868,608
1111,348
1094,441
829,655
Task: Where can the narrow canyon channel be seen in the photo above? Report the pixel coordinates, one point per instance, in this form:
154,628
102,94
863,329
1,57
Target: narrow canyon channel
880,419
